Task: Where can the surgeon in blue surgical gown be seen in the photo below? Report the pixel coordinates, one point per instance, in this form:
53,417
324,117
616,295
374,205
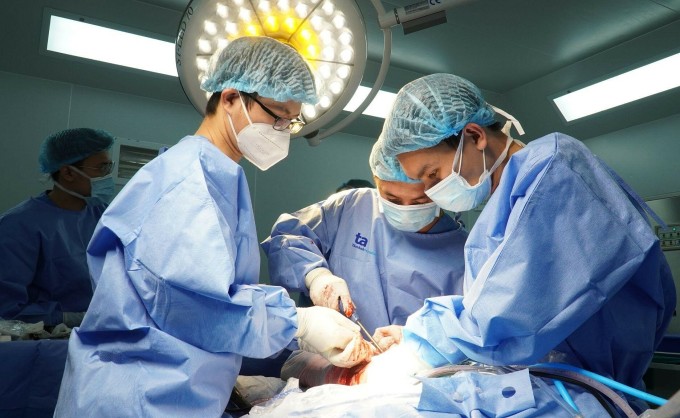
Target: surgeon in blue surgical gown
43,269
562,258
381,250
175,260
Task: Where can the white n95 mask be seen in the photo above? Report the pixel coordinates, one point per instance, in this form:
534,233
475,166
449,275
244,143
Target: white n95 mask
454,193
410,218
260,143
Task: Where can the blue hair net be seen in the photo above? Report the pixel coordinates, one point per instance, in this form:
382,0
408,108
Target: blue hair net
71,145
430,109
262,65
386,168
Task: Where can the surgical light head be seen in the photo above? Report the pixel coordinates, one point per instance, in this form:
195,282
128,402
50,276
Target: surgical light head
70,146
430,109
386,168
263,65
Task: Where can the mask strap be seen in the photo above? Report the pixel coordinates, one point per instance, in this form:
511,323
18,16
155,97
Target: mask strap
243,105
500,159
459,153
80,172
67,191
231,122
483,161
506,128
511,118
231,125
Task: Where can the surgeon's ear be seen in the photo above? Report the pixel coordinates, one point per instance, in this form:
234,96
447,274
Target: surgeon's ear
477,134
67,174
229,100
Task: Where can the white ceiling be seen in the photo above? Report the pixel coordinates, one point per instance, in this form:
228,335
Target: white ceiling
519,50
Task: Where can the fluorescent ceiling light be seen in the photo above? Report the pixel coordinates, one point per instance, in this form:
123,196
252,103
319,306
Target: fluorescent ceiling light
380,106
98,43
633,85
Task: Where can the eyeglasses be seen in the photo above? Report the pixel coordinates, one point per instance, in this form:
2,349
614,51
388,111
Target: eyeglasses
281,124
104,168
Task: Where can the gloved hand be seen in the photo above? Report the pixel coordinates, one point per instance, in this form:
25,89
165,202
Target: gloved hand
387,336
73,319
325,288
326,332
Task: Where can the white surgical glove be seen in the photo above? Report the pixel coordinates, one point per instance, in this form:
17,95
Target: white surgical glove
388,336
327,332
325,288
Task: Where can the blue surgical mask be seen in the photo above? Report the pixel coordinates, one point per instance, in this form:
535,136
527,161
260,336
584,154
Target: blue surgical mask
410,218
455,194
102,189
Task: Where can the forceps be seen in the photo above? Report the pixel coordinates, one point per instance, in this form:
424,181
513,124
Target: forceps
354,318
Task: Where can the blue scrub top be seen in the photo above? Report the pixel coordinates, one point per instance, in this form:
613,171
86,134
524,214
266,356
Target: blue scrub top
389,272
175,261
42,254
561,258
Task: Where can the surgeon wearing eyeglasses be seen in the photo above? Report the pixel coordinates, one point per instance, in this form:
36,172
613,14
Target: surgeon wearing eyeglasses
561,262
44,275
175,259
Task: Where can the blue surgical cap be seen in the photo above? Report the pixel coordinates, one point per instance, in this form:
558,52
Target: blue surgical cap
431,109
386,168
70,146
262,65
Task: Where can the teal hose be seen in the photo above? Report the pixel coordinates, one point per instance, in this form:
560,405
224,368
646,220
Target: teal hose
565,395
606,381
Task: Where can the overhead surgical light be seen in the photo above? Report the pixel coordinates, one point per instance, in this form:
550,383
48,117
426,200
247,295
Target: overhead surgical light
329,34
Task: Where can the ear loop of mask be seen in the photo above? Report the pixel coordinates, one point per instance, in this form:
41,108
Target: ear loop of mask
243,105
231,121
459,155
498,162
501,158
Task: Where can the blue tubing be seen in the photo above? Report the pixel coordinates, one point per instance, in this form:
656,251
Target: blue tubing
565,395
606,381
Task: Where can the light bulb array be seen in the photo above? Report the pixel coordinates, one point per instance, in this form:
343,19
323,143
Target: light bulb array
327,33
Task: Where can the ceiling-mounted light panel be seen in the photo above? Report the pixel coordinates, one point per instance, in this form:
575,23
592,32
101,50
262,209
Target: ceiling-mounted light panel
85,40
633,85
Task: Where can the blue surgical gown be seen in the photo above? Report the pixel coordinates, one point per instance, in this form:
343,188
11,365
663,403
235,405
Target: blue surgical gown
175,262
42,254
561,259
389,272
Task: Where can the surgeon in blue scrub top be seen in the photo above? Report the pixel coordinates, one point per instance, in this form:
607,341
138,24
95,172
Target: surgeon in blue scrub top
562,259
43,273
382,251
175,260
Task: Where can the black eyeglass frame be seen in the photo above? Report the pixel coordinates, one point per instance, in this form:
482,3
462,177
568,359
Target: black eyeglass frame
280,124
